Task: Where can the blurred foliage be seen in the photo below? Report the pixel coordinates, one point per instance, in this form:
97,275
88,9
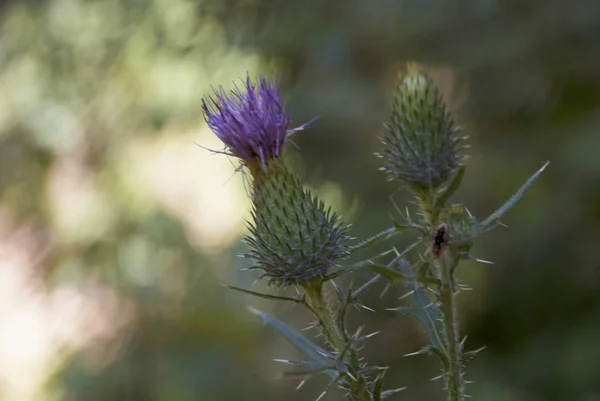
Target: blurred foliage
99,109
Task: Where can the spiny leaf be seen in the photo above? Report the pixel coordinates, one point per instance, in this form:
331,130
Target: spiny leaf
422,309
378,393
308,368
267,296
468,356
302,364
427,318
387,272
313,351
430,350
449,191
378,387
494,217
338,291
426,350
384,235
409,224
341,318
365,263
425,275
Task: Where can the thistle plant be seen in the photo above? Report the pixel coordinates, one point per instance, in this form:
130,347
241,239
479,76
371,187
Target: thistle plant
296,241
294,238
423,150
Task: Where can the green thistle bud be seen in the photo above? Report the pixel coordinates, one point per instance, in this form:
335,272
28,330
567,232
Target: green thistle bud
422,143
462,226
294,238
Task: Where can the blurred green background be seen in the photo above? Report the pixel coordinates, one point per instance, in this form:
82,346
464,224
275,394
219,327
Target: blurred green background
117,231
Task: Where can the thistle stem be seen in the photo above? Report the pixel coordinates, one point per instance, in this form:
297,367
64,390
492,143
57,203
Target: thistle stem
338,340
454,375
431,211
429,208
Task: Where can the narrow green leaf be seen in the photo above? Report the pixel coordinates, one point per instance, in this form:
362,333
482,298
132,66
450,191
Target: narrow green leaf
338,291
410,224
449,191
341,318
365,263
378,387
443,357
468,356
308,368
313,351
267,296
422,309
494,217
385,234
386,272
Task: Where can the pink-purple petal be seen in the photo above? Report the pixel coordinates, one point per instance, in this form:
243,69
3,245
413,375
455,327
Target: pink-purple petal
251,121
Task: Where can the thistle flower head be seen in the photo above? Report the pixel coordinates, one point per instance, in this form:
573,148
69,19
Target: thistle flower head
422,144
293,237
250,121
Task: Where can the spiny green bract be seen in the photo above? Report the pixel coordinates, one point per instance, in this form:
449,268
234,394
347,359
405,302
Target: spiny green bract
293,237
422,143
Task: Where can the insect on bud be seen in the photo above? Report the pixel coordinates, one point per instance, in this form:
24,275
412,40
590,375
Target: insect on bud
439,239
462,224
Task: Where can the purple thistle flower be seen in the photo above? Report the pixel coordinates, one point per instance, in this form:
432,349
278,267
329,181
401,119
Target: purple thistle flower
251,121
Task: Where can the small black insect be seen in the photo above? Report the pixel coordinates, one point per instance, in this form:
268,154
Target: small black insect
438,239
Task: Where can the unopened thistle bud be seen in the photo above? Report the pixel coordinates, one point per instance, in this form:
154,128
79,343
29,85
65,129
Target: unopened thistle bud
422,143
293,237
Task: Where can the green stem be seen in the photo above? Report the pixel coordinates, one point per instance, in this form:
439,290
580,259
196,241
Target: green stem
454,375
427,204
431,212
338,340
